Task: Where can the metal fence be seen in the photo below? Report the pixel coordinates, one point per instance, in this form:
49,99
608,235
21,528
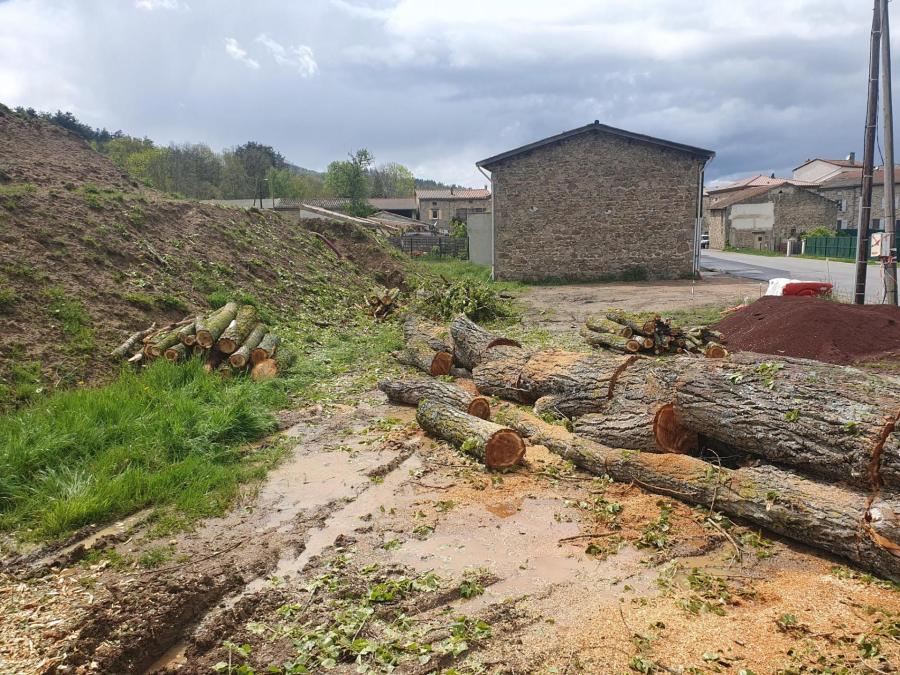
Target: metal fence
835,247
424,244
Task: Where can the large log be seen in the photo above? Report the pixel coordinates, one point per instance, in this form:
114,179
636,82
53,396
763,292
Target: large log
211,328
414,391
836,519
830,420
417,329
238,330
266,348
419,355
471,342
176,352
240,358
496,446
499,375
638,412
133,341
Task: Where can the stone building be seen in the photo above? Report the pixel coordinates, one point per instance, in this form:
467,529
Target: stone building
846,188
442,206
596,203
765,217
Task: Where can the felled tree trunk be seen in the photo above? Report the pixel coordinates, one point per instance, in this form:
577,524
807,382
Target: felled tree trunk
133,341
635,324
157,347
611,341
826,516
413,391
240,358
176,353
211,328
571,383
417,329
499,375
829,420
238,330
471,342
266,348
264,370
638,412
420,355
600,324
189,337
496,446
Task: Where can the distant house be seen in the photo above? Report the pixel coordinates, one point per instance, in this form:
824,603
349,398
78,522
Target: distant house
845,188
766,216
818,170
443,206
596,202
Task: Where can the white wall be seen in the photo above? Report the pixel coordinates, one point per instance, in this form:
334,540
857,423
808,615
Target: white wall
753,216
815,171
479,228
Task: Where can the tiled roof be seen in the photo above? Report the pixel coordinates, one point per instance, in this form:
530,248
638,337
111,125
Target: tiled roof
596,127
453,193
733,197
759,181
853,177
836,162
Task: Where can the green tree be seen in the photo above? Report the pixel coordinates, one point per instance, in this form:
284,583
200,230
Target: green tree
349,178
392,180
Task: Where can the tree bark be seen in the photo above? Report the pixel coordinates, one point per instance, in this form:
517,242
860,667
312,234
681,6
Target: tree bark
133,341
420,355
189,338
499,376
826,516
496,446
610,341
638,414
211,328
176,353
830,420
238,330
266,348
264,370
599,324
156,347
413,391
635,324
471,342
417,329
240,358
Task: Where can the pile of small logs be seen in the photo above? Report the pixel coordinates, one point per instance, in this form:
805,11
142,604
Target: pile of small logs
812,449
230,340
620,331
382,301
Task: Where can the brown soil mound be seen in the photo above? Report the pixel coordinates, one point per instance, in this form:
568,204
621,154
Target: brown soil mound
813,328
87,257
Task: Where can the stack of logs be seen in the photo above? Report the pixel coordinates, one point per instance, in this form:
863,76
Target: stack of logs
811,450
620,331
230,340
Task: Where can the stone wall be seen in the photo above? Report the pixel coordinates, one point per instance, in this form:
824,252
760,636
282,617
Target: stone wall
593,207
715,226
852,195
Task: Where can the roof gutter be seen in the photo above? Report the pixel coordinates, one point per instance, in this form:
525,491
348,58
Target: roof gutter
698,224
491,180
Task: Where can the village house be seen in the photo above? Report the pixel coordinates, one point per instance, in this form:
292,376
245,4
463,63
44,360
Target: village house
845,188
596,202
765,216
819,170
440,207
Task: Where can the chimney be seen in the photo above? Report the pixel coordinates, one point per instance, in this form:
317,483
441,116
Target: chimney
451,190
851,158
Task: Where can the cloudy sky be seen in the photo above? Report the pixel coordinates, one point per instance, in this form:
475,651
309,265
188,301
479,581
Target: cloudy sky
440,84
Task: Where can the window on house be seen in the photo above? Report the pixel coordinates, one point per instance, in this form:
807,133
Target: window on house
477,210
434,203
842,205
435,214
841,224
876,223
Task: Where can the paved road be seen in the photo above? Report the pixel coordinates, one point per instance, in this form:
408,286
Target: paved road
763,268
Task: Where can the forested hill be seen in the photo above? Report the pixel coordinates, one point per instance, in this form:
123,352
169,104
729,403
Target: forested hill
197,171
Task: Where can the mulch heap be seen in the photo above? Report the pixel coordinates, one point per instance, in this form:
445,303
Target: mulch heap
813,328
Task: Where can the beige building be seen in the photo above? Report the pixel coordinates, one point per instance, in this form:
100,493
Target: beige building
440,207
818,170
596,203
765,217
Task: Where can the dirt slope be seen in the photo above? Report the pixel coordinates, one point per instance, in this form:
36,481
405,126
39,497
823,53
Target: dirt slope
88,256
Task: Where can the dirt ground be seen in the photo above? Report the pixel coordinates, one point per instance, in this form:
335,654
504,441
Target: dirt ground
375,539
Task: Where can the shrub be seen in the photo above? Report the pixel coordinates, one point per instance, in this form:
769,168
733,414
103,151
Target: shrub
818,232
476,299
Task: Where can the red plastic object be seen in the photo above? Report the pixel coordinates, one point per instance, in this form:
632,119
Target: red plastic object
807,288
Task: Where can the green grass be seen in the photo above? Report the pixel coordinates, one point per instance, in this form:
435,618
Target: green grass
453,270
73,318
169,436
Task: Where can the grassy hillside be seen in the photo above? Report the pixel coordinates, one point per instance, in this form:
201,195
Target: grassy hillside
88,256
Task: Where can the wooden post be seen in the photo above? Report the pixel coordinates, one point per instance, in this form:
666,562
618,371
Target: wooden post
890,263
865,210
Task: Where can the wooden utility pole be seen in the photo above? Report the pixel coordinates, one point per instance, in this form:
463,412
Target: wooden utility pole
865,211
890,263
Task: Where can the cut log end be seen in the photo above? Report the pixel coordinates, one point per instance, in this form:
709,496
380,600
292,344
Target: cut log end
441,364
715,351
188,340
205,339
264,370
480,407
227,345
504,449
237,360
670,435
